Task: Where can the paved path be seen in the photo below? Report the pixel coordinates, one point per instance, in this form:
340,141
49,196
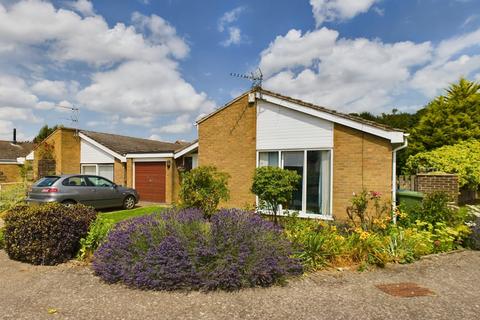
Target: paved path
27,292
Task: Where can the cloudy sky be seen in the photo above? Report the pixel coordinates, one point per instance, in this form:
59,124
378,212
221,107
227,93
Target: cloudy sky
149,68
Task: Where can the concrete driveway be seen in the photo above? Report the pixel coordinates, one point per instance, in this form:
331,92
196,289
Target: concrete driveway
70,291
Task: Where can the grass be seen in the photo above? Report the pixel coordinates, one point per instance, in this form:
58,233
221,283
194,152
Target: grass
117,216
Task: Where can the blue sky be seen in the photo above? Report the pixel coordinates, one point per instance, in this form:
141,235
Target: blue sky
151,68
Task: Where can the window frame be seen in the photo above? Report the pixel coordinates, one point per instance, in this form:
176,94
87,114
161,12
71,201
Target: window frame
302,213
97,170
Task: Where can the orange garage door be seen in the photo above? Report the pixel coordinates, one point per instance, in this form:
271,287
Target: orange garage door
150,181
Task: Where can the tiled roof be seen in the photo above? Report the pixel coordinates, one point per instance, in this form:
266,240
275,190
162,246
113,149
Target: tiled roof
125,144
10,151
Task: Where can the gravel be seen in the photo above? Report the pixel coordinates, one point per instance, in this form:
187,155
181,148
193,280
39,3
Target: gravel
71,291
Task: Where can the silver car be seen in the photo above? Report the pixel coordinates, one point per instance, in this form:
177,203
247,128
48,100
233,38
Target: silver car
90,190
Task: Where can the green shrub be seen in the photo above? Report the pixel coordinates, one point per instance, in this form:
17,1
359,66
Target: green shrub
97,233
462,159
47,234
274,186
434,209
204,188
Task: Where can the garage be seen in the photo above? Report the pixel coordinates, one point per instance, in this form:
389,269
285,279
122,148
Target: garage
150,181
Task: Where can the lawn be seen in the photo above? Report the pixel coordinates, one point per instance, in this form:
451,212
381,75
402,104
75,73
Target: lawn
117,216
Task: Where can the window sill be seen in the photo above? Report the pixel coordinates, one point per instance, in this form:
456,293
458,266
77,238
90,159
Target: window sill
301,214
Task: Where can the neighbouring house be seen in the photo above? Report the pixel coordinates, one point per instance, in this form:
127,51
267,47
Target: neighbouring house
335,153
12,157
152,167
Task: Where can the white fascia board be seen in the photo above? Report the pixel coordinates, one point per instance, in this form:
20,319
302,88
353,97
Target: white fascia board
21,160
30,156
103,148
149,155
393,136
186,150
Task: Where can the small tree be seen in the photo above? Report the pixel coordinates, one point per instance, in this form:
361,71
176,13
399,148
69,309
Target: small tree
204,187
274,186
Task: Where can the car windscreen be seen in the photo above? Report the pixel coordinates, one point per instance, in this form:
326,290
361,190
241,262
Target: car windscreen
46,181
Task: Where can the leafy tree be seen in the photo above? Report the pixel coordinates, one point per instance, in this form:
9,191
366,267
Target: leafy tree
274,186
462,159
204,187
44,132
449,118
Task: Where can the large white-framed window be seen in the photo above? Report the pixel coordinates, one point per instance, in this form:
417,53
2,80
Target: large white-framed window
313,197
103,170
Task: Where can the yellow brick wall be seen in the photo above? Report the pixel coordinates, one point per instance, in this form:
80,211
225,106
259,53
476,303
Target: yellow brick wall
119,173
66,151
129,173
10,173
227,140
360,160
70,152
169,173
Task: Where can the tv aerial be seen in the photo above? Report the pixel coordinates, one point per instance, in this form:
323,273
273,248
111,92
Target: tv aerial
74,116
256,77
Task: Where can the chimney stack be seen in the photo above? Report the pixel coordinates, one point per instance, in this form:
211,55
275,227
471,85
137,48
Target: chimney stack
14,136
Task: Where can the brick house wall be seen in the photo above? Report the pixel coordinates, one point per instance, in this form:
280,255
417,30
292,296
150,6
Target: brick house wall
66,152
119,173
360,161
10,173
227,140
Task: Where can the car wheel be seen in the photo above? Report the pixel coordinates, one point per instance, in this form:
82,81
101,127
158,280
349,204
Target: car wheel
129,203
68,203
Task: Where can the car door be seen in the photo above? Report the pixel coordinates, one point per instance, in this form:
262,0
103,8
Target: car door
106,193
77,188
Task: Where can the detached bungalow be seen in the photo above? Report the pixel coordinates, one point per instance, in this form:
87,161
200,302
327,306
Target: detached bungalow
336,154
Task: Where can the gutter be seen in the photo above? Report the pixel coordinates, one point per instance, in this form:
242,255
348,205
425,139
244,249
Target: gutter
394,175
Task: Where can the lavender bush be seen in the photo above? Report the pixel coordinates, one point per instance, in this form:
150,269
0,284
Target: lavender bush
181,250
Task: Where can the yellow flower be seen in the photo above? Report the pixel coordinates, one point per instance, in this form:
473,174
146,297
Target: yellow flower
364,235
333,228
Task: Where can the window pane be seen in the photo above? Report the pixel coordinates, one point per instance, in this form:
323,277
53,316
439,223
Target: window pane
100,182
318,182
75,182
293,160
89,169
268,159
106,171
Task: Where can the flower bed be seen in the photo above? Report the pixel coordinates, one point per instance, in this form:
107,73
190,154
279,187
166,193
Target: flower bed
182,250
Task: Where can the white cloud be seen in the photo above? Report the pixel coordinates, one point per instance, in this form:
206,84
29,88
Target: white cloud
140,88
225,22
332,10
297,50
6,128
353,74
69,37
133,69
16,114
161,32
229,17
182,124
50,89
234,37
363,74
155,137
85,7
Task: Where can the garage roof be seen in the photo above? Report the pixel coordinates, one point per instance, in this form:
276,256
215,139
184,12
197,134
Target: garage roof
127,145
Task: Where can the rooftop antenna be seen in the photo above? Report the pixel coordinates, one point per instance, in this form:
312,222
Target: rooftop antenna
74,116
256,77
